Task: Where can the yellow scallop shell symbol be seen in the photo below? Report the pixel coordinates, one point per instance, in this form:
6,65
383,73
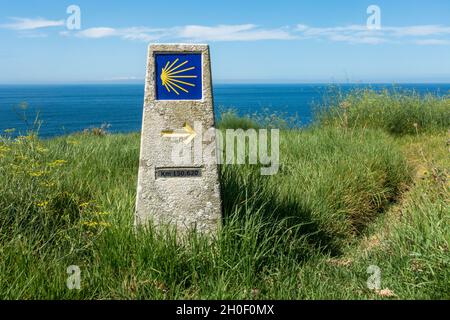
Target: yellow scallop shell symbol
171,75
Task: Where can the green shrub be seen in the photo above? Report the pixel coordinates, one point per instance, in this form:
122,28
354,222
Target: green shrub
231,120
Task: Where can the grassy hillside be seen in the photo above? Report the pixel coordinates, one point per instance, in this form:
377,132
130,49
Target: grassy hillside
354,190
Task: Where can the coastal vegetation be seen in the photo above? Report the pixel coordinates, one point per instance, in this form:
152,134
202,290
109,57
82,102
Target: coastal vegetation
363,188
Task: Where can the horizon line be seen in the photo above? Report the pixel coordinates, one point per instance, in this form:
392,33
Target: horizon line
227,83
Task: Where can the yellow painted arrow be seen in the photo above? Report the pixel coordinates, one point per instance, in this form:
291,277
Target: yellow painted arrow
185,132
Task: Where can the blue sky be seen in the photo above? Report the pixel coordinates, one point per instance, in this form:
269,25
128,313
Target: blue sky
251,41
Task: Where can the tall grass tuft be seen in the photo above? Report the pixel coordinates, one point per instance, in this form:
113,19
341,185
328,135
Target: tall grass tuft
332,182
397,112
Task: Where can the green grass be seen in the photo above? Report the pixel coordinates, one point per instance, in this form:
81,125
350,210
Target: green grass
395,112
331,181
346,197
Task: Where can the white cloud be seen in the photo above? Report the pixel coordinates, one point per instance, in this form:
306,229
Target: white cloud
432,42
356,39
353,34
134,33
21,24
96,33
328,31
360,34
143,33
243,32
423,30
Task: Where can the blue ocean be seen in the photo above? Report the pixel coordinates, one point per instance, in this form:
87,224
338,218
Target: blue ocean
65,109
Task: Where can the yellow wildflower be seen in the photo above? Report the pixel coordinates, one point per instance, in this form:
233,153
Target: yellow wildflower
91,224
57,163
4,149
84,204
43,204
47,184
104,224
41,149
102,213
74,142
37,173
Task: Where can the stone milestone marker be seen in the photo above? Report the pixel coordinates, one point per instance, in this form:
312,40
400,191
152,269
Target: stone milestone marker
178,181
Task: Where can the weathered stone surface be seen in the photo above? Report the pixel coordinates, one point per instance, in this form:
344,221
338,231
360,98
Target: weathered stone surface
186,202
